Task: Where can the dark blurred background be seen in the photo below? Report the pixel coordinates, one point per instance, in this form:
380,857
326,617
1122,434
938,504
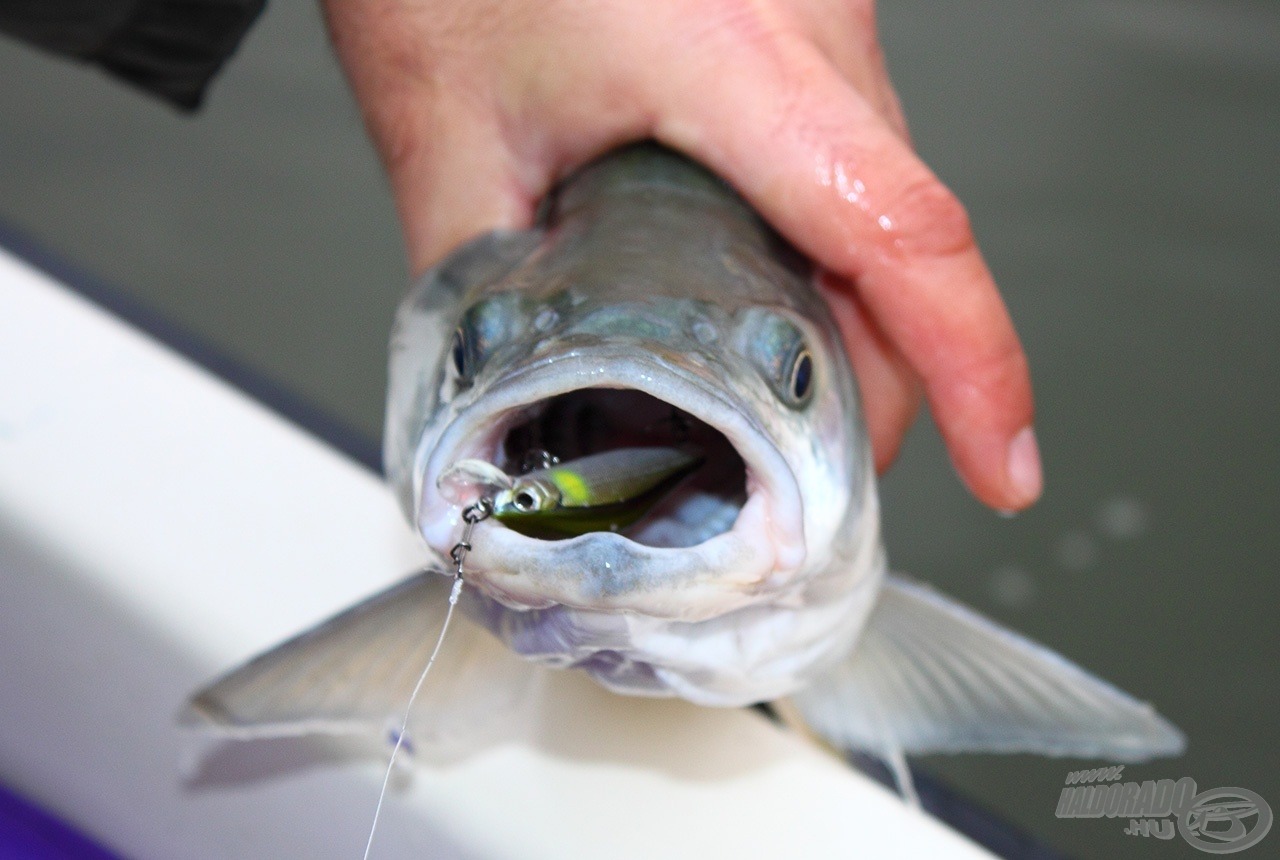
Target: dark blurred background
1120,161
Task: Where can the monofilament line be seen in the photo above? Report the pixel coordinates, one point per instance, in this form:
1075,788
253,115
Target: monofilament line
470,516
404,725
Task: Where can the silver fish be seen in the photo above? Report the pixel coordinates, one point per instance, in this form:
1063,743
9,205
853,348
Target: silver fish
651,307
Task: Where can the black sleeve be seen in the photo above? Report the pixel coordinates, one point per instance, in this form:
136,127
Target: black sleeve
172,48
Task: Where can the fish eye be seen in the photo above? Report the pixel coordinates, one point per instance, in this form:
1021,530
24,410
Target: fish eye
780,351
524,501
484,328
801,375
459,352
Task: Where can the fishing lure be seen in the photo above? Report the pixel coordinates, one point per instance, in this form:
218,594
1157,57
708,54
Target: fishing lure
600,492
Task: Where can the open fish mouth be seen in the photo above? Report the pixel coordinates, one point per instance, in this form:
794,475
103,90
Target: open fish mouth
733,527
593,421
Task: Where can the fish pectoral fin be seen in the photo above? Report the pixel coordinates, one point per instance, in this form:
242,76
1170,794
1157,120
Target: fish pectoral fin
930,675
354,674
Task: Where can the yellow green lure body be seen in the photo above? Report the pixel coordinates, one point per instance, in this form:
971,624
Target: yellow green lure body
600,492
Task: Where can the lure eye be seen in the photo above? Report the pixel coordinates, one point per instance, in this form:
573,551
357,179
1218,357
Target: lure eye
527,497
801,376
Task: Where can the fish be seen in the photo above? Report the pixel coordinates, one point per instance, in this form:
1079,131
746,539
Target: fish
650,308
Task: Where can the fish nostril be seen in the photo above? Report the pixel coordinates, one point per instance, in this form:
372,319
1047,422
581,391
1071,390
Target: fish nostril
705,332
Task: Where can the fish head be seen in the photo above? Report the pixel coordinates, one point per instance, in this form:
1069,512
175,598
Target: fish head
760,389
615,330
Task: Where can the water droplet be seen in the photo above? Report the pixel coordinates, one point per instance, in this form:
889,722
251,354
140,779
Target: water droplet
822,171
885,222
851,189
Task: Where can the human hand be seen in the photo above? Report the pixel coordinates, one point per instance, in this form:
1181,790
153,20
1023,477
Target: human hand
478,107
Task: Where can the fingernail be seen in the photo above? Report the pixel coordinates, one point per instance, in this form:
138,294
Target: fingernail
1024,467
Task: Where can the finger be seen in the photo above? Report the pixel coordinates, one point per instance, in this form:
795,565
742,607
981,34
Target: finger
845,32
890,390
450,171
453,181
816,159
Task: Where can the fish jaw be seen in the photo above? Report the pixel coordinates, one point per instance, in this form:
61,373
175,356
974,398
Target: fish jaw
757,558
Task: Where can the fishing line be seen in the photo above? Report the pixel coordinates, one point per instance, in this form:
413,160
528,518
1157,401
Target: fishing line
472,515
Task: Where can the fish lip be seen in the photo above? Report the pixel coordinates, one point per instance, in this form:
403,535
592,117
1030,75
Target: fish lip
725,572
